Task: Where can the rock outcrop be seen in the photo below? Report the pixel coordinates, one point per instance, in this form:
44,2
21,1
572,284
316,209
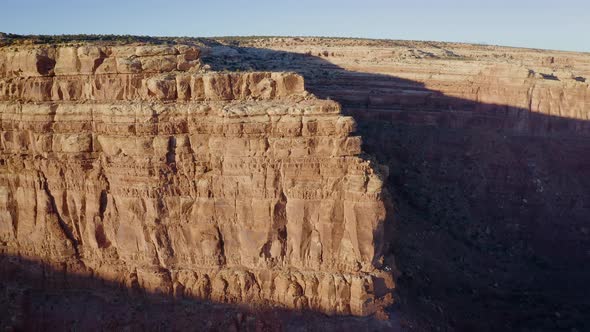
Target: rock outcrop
233,173
488,149
137,165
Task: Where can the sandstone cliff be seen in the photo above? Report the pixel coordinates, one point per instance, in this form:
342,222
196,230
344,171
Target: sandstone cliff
137,165
209,169
488,149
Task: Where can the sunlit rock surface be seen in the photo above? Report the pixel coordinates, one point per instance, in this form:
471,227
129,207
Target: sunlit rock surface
136,164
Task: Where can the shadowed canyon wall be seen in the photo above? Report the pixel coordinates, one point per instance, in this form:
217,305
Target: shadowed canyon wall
215,173
488,152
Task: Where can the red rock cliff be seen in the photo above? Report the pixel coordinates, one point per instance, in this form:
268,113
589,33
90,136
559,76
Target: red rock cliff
134,164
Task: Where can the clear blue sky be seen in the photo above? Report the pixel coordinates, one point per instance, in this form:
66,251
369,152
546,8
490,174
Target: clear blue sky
552,24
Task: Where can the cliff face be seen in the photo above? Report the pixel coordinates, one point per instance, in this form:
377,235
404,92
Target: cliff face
228,172
488,149
426,83
136,165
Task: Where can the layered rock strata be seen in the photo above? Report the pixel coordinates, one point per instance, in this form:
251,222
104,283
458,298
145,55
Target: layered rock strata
526,91
489,155
134,164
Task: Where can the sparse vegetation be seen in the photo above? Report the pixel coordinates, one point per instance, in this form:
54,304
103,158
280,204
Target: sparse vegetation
580,79
14,39
551,77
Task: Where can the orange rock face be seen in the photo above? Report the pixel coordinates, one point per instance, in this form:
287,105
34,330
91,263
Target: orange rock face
235,173
488,149
135,165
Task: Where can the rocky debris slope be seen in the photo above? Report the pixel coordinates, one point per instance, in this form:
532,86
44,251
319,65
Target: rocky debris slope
136,165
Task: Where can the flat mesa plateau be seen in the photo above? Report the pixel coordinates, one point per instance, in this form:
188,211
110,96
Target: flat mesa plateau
283,183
